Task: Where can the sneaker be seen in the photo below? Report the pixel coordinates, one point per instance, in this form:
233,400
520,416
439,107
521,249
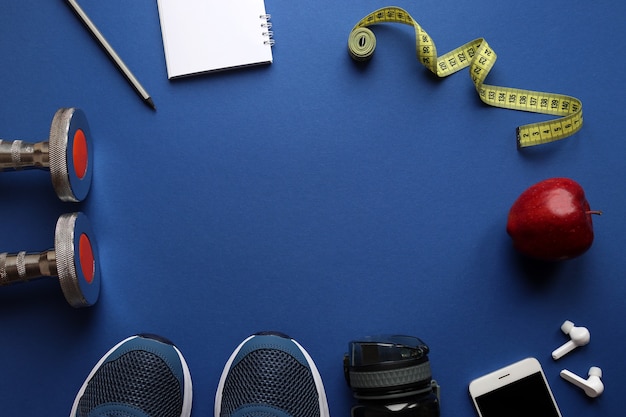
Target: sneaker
142,376
270,375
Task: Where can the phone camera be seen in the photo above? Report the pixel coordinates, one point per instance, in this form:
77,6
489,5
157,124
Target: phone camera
390,376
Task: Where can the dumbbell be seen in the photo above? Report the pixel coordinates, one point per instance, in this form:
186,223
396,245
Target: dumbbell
67,154
74,260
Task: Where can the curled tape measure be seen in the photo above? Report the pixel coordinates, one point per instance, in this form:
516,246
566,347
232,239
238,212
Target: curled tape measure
479,57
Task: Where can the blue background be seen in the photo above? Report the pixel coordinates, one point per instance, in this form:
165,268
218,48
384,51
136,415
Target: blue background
316,197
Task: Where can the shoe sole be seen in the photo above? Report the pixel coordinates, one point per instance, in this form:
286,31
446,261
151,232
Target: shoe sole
319,386
187,392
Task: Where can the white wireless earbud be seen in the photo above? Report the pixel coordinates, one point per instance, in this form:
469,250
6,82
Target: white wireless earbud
579,337
592,386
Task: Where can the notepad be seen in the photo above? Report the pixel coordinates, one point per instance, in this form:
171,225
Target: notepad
210,35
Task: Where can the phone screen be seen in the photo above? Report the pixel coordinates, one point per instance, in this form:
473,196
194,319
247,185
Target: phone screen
525,397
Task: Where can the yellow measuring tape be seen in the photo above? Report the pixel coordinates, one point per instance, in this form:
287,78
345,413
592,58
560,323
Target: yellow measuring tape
480,58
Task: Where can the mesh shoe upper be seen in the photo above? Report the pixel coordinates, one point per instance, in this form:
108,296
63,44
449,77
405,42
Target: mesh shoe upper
270,376
139,377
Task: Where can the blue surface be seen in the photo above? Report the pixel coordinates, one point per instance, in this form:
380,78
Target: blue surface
316,197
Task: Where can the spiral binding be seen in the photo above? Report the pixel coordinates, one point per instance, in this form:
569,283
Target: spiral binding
267,25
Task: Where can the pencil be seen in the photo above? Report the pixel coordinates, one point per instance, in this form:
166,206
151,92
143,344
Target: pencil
112,54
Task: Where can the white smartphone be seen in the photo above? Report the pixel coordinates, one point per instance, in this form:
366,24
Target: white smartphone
517,390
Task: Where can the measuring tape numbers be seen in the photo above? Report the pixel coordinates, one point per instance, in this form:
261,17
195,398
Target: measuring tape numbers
480,58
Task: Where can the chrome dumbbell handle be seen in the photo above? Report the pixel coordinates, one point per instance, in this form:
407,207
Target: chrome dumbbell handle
74,261
17,154
68,154
23,267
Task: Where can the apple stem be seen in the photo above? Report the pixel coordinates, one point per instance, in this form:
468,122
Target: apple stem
598,212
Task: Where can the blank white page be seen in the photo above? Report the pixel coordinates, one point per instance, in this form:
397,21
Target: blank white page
209,35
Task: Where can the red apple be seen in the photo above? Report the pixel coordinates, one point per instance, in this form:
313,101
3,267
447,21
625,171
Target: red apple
551,220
